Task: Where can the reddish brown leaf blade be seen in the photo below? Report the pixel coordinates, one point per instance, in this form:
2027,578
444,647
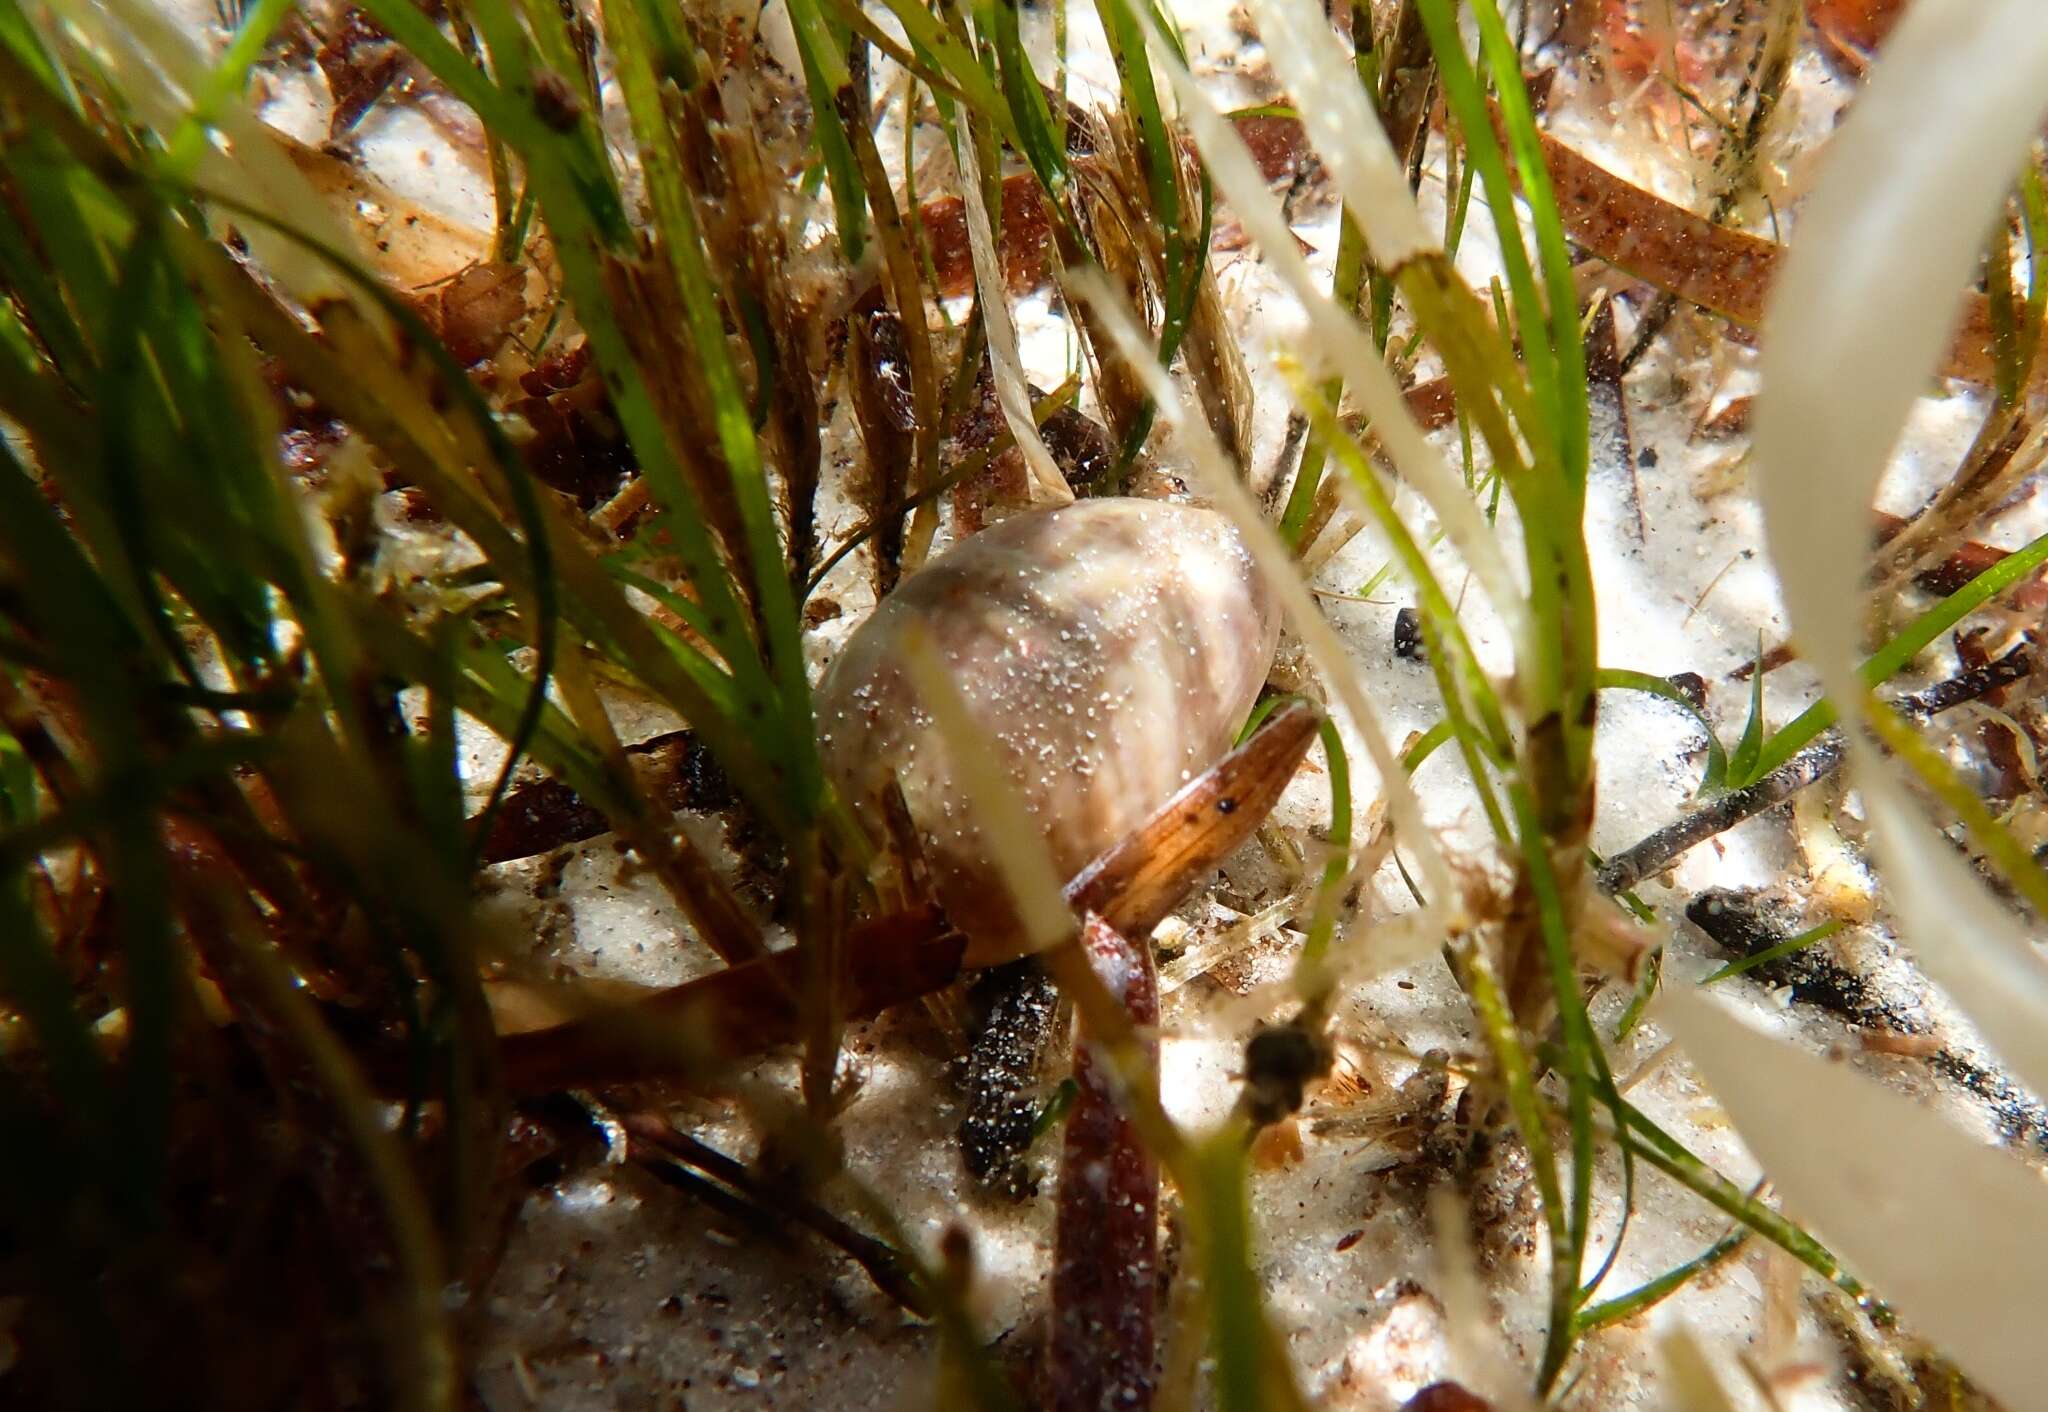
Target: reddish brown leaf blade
1433,404
1714,266
878,373
1105,1278
1137,882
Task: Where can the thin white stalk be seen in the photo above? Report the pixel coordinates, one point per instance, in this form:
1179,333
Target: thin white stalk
1351,349
1047,485
1371,947
1689,1373
1216,480
1345,128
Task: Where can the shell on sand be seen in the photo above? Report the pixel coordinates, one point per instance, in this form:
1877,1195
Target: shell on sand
1108,651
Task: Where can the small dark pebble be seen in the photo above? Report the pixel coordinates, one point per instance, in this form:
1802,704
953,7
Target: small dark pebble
1408,636
1279,1063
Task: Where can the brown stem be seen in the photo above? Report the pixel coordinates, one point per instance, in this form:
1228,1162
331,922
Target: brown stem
1105,1246
1662,848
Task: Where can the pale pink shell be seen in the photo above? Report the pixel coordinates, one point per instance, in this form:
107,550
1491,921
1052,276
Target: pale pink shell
1108,651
